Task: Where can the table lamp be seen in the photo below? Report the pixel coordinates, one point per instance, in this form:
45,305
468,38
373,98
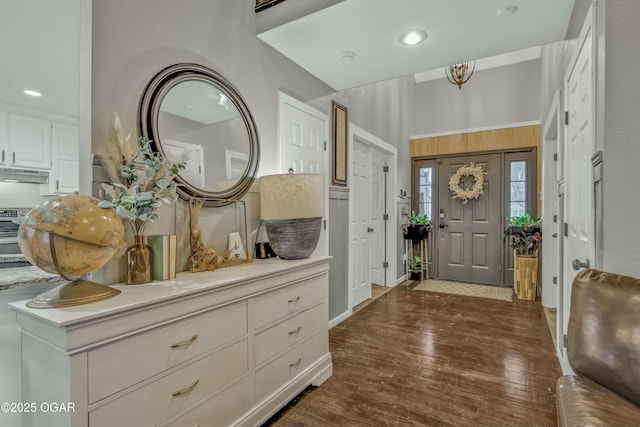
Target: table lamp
291,206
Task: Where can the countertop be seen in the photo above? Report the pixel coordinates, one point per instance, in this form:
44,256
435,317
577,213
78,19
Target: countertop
25,276
185,287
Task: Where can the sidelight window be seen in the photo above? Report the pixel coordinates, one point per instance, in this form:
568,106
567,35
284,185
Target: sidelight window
517,188
425,192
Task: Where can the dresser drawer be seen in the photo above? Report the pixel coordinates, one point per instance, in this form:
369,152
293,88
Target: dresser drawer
117,366
289,300
292,363
284,335
220,410
157,401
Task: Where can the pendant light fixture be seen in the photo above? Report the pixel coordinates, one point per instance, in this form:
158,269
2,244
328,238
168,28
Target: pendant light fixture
459,74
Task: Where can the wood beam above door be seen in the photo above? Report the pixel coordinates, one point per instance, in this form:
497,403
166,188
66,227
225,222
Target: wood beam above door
482,141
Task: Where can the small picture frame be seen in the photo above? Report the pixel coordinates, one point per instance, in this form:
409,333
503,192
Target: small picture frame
339,124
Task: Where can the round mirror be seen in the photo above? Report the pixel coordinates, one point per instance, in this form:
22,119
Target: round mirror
191,112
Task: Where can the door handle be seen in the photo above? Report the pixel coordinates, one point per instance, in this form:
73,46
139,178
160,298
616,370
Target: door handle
577,265
369,230
554,235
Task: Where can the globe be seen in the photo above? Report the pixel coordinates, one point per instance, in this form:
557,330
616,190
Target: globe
71,236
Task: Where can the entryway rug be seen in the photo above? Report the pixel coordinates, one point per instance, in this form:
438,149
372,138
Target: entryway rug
468,289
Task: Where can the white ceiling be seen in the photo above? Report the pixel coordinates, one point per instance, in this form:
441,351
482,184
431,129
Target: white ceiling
458,30
200,102
39,41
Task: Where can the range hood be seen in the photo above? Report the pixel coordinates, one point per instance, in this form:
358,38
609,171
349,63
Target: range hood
24,175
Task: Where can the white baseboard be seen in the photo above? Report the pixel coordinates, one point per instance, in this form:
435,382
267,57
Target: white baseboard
339,318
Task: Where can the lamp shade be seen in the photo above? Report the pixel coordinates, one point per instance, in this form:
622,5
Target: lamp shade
287,196
292,206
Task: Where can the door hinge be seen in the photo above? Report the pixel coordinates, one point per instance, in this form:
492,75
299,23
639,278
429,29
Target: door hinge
566,118
555,157
555,218
199,170
385,264
555,280
385,217
564,341
325,146
566,230
385,169
325,224
500,268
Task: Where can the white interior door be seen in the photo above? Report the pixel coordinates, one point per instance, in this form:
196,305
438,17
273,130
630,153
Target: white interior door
194,170
302,142
360,223
551,252
579,148
376,217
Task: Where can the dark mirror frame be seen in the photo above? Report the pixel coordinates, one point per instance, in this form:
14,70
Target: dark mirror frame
149,110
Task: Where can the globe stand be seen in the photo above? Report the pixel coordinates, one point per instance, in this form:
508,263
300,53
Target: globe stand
75,292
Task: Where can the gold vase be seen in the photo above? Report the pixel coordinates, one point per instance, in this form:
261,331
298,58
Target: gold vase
138,262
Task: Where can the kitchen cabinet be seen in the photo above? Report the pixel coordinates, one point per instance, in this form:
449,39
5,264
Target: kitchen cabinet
226,347
29,142
65,168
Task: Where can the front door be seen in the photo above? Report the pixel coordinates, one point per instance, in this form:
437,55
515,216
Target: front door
469,235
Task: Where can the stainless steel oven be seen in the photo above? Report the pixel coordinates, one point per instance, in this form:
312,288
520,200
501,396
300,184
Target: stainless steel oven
10,255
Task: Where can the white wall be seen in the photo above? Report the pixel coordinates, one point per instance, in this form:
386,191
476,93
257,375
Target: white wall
621,146
384,110
493,97
617,124
20,195
133,40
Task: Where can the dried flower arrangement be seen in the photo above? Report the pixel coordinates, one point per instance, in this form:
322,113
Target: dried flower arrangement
472,192
142,180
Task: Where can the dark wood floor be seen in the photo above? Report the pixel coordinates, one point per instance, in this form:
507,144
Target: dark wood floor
420,358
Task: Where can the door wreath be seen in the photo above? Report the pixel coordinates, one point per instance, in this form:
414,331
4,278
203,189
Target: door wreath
472,192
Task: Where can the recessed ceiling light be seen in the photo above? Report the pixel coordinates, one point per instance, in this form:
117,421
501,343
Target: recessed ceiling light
32,92
503,12
347,55
413,37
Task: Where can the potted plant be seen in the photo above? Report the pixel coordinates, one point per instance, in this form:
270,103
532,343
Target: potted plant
416,266
526,237
418,227
523,224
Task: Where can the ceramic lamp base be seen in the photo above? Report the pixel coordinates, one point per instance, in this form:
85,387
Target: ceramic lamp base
294,238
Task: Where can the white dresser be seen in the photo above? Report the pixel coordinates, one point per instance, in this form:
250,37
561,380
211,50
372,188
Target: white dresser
228,347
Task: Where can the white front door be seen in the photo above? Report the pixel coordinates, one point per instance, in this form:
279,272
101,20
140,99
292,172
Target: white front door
360,223
579,148
302,142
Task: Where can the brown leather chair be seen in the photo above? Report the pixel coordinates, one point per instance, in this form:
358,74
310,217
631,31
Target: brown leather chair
603,348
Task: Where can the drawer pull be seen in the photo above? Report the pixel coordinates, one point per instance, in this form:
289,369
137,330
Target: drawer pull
297,362
186,390
185,342
296,299
295,331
